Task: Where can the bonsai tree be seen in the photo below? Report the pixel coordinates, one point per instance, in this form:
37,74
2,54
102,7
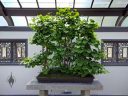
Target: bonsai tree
69,45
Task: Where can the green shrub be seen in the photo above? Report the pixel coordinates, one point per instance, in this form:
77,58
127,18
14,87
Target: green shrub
69,45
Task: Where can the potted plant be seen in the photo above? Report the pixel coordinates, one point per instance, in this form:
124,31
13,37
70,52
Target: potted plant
70,49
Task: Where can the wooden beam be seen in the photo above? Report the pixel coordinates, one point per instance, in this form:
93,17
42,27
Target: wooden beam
122,18
4,14
82,11
27,29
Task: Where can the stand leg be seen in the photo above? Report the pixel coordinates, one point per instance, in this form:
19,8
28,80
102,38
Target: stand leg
43,93
85,92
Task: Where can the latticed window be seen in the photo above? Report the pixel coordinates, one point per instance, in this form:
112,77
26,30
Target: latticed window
116,52
12,51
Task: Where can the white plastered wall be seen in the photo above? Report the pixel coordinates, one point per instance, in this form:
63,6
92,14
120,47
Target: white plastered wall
21,74
115,83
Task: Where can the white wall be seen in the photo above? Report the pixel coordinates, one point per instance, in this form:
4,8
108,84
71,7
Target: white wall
21,74
115,83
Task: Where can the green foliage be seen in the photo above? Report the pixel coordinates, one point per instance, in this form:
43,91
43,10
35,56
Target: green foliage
69,44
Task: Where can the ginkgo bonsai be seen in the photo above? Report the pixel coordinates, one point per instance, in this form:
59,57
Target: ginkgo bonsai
69,45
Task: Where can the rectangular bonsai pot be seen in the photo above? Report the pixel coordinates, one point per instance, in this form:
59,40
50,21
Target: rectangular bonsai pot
65,79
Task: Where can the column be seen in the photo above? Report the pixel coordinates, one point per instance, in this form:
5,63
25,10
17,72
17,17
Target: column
85,92
43,93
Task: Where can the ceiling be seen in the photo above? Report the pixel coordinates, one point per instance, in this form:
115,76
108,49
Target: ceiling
107,13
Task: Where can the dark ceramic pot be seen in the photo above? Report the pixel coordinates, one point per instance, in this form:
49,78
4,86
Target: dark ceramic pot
64,79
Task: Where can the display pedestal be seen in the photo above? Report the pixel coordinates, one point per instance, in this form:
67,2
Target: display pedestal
43,88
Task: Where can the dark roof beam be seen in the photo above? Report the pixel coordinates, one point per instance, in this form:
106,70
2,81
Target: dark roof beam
102,21
82,11
19,3
122,18
55,4
92,3
4,14
118,20
26,20
9,20
110,4
100,29
37,3
2,9
74,4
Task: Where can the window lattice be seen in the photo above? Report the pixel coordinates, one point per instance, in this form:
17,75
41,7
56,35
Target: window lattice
116,52
108,50
20,51
123,52
12,51
5,52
